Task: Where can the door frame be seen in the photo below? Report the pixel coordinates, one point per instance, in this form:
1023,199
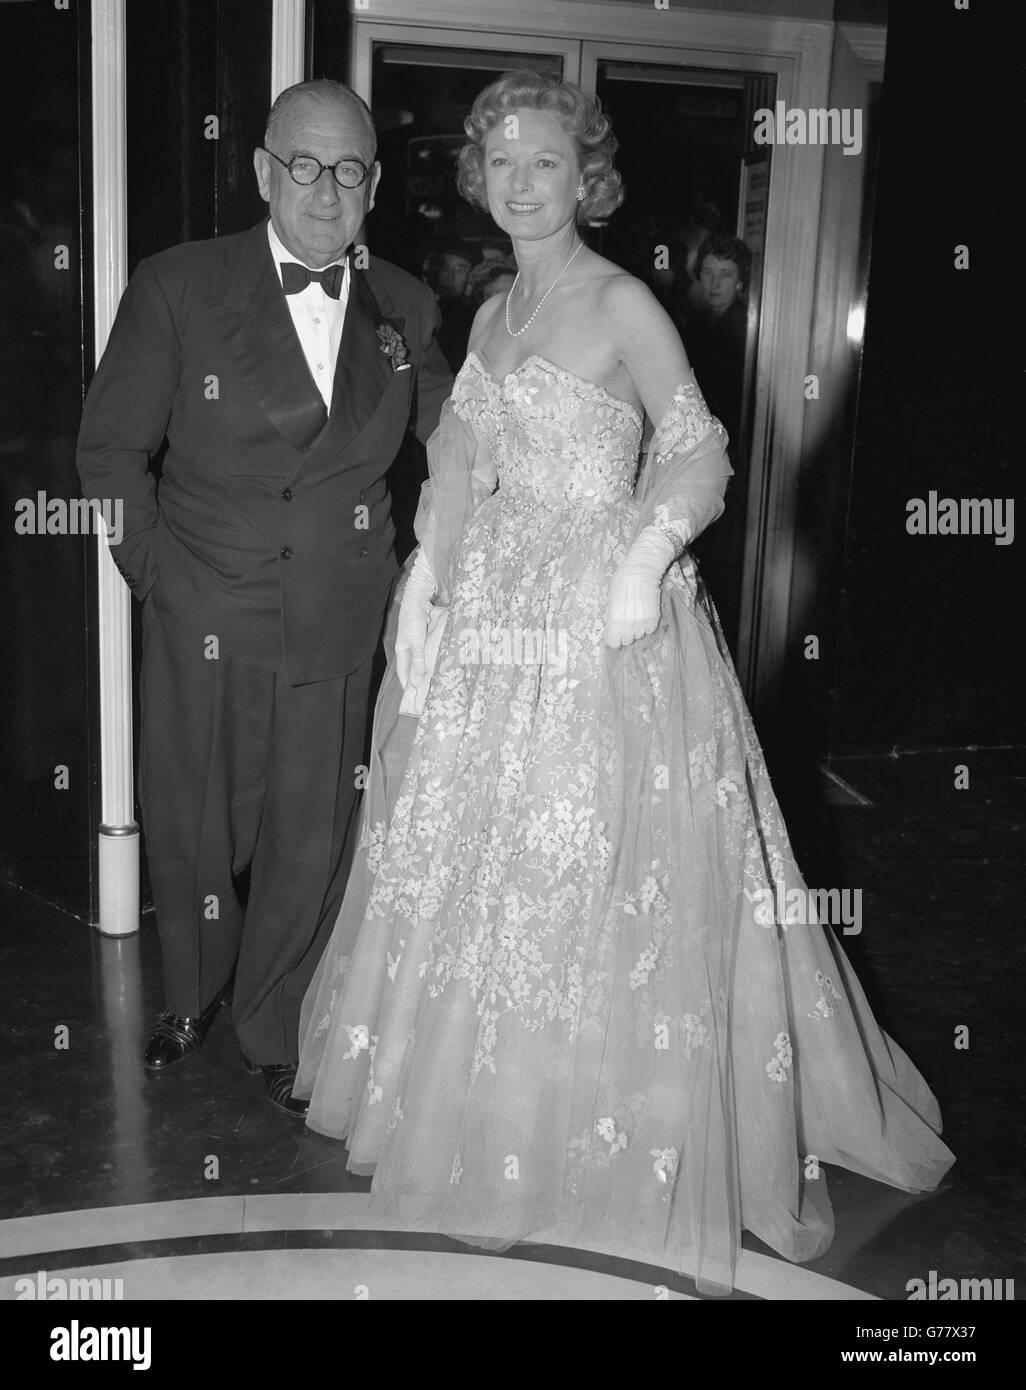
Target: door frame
797,53
369,32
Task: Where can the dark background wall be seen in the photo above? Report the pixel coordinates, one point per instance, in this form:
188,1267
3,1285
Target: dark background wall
927,625
186,59
45,675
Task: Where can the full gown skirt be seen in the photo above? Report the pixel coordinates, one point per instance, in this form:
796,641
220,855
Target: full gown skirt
560,1002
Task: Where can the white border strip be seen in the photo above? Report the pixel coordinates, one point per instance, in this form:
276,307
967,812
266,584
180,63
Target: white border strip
119,834
288,38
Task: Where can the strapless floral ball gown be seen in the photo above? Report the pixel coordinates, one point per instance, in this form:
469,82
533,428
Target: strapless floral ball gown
560,1003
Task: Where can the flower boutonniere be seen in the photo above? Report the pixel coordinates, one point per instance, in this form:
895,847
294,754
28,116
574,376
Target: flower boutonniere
393,345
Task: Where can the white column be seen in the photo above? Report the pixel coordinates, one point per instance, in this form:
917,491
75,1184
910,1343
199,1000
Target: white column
119,834
288,36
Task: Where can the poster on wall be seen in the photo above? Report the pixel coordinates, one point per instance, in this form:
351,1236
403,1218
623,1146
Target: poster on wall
752,202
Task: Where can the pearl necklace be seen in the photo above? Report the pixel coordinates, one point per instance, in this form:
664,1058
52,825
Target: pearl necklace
520,331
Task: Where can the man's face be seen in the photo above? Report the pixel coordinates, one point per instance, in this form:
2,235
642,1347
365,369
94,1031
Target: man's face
317,222
452,276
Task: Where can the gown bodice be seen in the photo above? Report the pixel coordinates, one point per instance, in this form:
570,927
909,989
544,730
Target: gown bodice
555,438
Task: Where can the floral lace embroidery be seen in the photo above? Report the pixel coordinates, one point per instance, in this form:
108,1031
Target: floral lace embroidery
824,1009
778,1067
696,1034
561,439
393,962
325,1020
665,1165
646,963
372,839
602,1144
375,1094
702,762
650,900
725,788
685,422
359,1039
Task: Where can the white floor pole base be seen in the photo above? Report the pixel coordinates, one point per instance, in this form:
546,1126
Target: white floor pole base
119,883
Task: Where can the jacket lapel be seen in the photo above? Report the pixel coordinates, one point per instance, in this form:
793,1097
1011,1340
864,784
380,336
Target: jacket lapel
362,370
256,327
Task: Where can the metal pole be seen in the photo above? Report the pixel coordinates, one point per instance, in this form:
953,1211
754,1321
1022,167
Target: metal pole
288,32
119,833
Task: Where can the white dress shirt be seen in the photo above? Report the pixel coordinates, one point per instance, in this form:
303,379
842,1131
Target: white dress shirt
318,318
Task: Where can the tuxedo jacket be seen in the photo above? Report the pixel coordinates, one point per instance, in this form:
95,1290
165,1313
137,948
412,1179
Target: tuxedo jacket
271,528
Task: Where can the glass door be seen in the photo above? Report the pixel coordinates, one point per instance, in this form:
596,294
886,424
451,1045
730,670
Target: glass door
420,85
684,120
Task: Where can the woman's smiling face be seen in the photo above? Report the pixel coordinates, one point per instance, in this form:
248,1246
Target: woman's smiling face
532,171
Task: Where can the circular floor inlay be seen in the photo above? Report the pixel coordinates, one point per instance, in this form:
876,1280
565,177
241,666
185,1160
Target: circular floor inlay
354,1275
368,1267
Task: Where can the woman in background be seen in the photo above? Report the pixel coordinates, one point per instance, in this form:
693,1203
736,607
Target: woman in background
716,334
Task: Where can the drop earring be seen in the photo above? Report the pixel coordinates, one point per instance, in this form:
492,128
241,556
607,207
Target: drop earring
580,192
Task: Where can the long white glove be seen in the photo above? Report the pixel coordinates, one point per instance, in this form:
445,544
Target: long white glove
632,607
418,635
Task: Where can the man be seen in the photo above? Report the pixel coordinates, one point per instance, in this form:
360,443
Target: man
283,368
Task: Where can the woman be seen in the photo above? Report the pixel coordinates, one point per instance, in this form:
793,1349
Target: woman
557,1003
716,338
716,335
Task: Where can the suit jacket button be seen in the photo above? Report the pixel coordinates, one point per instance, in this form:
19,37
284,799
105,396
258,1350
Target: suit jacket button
286,552
286,493
364,551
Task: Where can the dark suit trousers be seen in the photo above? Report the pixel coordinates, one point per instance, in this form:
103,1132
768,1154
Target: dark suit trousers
241,772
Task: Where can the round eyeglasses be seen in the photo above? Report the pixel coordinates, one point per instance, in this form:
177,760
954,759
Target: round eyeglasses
304,169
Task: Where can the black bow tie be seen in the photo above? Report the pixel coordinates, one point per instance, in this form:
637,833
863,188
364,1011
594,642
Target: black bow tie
296,277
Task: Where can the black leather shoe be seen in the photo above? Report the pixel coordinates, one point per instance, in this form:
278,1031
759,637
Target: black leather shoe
279,1078
177,1037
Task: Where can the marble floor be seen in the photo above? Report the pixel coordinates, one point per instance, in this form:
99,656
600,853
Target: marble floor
192,1186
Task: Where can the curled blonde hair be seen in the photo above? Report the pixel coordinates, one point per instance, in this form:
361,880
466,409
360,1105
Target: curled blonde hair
580,115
